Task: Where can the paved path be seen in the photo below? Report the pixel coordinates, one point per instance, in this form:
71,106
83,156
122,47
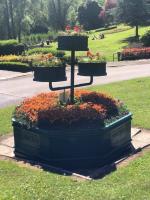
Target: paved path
13,90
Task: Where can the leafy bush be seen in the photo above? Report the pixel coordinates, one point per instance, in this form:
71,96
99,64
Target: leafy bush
8,47
90,108
146,39
15,66
46,51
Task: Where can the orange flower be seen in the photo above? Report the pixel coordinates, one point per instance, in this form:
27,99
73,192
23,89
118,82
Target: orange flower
46,108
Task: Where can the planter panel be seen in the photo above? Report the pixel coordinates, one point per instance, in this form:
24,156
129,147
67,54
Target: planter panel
92,69
73,149
49,74
73,43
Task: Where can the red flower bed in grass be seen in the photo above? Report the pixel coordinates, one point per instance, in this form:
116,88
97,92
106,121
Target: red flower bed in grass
135,53
90,108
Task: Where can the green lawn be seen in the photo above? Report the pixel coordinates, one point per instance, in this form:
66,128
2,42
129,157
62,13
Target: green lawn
135,94
5,120
132,182
113,42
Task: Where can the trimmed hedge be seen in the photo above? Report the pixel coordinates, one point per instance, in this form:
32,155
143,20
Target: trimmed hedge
8,47
15,66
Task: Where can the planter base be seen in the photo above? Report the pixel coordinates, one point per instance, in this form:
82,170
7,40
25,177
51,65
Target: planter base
74,149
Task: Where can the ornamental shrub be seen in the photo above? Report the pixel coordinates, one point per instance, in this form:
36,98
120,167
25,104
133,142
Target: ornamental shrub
8,47
90,109
146,39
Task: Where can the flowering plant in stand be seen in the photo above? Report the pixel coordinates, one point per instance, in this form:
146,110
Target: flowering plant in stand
92,58
48,60
75,31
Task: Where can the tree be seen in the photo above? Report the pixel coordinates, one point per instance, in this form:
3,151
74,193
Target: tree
58,11
133,13
88,15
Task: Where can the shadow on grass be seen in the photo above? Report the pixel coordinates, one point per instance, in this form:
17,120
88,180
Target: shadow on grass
85,174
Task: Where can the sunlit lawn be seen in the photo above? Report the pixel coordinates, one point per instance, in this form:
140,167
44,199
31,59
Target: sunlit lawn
132,182
113,42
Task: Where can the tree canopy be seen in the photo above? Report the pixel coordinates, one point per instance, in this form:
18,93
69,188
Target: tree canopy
133,13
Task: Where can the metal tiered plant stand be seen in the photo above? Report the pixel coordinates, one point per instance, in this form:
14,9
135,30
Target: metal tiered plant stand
73,148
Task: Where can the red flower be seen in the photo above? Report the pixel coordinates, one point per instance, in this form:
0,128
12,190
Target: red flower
68,28
77,29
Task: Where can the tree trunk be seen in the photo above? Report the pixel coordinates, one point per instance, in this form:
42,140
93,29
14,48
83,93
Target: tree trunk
137,31
7,20
12,19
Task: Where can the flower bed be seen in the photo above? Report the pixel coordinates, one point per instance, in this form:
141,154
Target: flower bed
135,54
90,109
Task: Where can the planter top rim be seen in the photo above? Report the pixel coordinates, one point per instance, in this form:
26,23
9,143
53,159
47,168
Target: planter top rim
107,127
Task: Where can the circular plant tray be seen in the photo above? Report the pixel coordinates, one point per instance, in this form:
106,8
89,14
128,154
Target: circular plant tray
92,69
73,148
49,74
73,43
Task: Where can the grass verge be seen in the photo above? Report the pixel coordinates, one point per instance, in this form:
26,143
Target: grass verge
132,182
135,94
5,120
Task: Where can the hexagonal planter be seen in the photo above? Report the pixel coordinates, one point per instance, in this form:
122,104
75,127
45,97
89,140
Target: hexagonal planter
73,148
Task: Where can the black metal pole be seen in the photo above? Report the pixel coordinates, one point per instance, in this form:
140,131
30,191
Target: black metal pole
72,76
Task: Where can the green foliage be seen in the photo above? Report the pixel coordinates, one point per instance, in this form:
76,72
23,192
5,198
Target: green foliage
8,47
146,39
88,15
132,12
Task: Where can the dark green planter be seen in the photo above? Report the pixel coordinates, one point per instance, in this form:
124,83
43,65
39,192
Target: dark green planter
49,74
73,43
92,69
73,148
